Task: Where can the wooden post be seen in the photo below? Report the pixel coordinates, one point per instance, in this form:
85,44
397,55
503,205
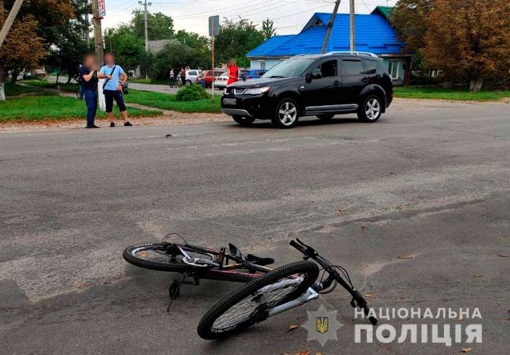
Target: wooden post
212,64
10,20
330,27
98,31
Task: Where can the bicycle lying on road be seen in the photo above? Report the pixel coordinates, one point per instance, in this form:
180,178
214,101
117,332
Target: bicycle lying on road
266,293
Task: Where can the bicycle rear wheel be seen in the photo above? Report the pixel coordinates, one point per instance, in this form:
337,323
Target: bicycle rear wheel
249,304
164,256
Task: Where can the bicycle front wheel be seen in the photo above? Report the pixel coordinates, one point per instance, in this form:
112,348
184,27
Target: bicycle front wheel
249,304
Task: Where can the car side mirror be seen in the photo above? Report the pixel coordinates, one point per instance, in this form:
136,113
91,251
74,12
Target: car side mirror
308,78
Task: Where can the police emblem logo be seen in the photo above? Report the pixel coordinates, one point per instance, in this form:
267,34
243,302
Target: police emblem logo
322,325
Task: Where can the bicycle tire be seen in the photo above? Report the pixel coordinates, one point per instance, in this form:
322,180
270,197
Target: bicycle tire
205,328
130,255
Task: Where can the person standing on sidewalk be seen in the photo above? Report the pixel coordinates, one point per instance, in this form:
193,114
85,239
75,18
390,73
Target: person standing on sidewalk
233,71
113,88
88,87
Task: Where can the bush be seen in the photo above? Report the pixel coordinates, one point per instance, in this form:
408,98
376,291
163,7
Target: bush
192,93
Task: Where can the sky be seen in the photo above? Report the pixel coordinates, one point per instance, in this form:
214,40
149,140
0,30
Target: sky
289,16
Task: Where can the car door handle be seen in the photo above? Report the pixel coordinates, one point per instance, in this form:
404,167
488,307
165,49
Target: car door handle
365,80
336,83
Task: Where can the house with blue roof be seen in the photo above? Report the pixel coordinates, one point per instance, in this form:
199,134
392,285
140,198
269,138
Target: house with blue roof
374,34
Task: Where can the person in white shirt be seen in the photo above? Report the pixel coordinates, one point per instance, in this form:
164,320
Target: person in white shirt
113,88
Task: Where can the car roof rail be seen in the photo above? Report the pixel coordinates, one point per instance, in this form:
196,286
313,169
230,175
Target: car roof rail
367,54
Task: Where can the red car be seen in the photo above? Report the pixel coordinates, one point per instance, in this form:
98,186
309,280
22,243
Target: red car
209,77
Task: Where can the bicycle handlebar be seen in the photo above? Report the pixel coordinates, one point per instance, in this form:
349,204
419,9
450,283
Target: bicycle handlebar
357,301
298,246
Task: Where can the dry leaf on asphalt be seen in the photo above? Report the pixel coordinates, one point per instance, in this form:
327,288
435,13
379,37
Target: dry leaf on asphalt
478,275
292,327
466,350
304,352
461,318
368,295
339,212
503,256
318,353
405,257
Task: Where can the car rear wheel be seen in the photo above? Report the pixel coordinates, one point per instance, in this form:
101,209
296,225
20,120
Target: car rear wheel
286,114
187,82
244,121
371,110
326,116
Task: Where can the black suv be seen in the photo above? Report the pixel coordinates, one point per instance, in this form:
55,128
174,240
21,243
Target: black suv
313,85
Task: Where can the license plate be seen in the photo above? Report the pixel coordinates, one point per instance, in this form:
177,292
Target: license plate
229,101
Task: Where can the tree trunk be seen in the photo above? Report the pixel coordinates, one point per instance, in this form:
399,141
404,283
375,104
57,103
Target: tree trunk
476,85
14,75
3,77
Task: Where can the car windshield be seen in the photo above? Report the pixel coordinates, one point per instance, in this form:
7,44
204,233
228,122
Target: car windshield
289,68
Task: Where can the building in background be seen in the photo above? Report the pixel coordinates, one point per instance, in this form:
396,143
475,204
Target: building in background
374,34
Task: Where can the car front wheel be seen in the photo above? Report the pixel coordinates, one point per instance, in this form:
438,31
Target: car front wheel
286,114
371,110
244,121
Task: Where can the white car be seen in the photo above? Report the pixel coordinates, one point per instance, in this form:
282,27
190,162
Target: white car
221,81
191,76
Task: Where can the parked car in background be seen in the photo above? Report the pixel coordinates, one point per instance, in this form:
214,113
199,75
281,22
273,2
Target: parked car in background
255,74
40,72
221,81
209,78
313,85
192,75
243,73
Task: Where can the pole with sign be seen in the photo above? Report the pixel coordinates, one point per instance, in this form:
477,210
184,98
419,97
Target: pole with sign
214,30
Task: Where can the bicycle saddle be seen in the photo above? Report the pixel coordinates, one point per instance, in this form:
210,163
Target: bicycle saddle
258,260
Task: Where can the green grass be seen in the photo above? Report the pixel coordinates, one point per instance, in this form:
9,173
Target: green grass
149,81
46,85
17,90
38,108
449,94
168,102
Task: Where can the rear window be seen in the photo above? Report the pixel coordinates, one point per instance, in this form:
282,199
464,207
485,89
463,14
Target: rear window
192,72
352,67
370,66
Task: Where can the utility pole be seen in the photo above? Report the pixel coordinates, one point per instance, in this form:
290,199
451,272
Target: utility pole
145,4
330,26
353,25
10,20
98,31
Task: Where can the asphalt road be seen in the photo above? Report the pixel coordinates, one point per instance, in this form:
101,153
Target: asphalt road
428,183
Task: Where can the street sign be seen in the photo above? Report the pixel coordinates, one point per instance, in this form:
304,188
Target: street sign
214,26
102,8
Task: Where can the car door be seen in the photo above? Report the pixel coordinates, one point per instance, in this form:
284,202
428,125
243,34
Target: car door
353,79
323,89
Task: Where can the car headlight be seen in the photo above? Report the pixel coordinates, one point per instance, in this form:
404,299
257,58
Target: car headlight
256,91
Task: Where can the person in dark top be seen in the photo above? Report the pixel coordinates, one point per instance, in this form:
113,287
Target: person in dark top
88,78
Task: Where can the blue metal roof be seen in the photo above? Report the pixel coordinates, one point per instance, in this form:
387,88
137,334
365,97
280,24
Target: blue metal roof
373,34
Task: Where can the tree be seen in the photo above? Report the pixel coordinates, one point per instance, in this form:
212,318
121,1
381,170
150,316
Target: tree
70,43
268,29
176,56
160,25
236,39
410,18
33,32
469,39
128,48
